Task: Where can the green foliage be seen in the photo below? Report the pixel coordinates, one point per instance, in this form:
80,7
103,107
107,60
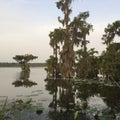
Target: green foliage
57,36
63,40
21,105
110,32
80,29
110,59
106,114
23,60
52,68
64,6
87,64
75,115
23,109
110,62
118,116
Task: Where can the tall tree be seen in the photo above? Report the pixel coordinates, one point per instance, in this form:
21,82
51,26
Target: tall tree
75,34
67,53
63,40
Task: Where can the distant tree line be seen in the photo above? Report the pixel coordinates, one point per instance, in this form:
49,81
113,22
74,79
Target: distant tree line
7,64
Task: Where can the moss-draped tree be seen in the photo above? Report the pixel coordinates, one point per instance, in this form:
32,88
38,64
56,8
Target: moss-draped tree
63,40
23,61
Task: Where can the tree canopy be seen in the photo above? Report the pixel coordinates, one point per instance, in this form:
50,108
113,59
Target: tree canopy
23,60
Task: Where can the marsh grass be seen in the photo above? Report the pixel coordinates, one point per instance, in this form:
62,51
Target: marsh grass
3,101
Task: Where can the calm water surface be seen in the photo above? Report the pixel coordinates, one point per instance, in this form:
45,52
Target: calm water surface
9,75
59,94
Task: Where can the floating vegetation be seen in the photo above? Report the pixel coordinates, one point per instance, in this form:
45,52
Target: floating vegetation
28,95
43,100
19,95
33,95
22,109
20,104
39,91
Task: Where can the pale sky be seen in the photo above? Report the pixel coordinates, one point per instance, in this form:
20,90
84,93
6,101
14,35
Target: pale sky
26,24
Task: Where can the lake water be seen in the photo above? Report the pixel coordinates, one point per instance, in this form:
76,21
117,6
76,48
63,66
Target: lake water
9,75
57,95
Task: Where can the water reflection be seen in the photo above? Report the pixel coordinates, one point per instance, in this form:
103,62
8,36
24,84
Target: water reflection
63,100
62,91
70,98
23,80
109,94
